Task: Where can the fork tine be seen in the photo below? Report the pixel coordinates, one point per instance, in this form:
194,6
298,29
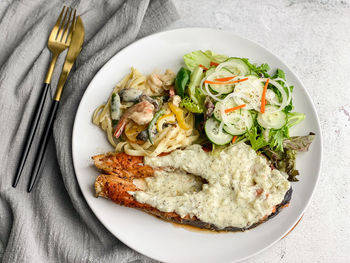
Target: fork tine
54,31
69,37
60,32
70,22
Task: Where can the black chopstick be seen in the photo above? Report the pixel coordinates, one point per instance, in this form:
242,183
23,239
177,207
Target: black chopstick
29,140
43,144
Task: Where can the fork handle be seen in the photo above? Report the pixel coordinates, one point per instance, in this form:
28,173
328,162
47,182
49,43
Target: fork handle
43,144
34,125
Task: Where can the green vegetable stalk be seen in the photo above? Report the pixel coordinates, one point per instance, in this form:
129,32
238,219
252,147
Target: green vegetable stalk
196,78
152,124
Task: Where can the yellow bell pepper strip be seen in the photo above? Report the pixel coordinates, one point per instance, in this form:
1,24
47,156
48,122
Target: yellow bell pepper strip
132,130
179,113
159,122
152,123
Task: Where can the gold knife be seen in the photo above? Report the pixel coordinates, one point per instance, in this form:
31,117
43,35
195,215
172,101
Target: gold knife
72,54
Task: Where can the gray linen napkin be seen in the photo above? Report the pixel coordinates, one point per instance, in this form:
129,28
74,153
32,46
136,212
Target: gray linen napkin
54,223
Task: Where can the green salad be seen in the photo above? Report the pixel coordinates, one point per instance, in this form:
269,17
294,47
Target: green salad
235,100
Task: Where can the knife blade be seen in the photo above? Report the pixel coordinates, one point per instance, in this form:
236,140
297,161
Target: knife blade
72,54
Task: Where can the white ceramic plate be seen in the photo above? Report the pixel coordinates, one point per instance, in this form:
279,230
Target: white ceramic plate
153,237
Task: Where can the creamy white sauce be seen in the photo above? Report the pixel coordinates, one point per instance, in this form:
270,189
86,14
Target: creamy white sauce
173,183
241,188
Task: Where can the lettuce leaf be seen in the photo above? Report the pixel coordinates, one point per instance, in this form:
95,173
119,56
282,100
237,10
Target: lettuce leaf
286,160
299,143
204,58
193,90
293,118
276,138
191,106
261,70
256,141
279,74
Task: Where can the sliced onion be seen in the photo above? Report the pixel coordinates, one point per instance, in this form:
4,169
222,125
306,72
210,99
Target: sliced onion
286,98
241,98
207,90
201,86
272,98
222,110
249,89
287,87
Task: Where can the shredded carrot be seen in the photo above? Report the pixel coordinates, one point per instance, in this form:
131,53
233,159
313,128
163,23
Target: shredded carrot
225,79
264,218
235,108
263,97
234,139
203,67
225,83
286,205
274,209
213,64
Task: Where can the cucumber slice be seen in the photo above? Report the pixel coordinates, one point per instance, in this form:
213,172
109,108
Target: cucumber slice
220,88
272,120
239,122
236,66
213,133
217,113
209,71
228,71
254,77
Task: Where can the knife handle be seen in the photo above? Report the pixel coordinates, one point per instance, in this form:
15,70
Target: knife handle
32,130
43,144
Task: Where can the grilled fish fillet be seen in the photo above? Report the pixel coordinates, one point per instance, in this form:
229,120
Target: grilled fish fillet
123,173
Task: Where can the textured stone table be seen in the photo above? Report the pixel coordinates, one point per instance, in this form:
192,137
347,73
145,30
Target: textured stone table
313,38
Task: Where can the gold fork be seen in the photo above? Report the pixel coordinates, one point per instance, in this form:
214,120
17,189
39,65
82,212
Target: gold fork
59,39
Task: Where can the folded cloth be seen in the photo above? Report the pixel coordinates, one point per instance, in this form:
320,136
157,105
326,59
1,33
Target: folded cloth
53,223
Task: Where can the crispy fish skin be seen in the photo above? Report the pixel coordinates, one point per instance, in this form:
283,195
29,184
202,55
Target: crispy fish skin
123,165
115,186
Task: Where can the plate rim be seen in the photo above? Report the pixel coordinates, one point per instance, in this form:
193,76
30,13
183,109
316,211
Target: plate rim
233,34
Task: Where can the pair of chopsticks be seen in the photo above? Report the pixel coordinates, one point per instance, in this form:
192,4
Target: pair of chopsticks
68,32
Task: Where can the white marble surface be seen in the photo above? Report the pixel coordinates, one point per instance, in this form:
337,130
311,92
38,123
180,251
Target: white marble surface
313,38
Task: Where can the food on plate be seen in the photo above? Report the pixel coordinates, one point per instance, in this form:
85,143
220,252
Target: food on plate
235,190
208,146
142,116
